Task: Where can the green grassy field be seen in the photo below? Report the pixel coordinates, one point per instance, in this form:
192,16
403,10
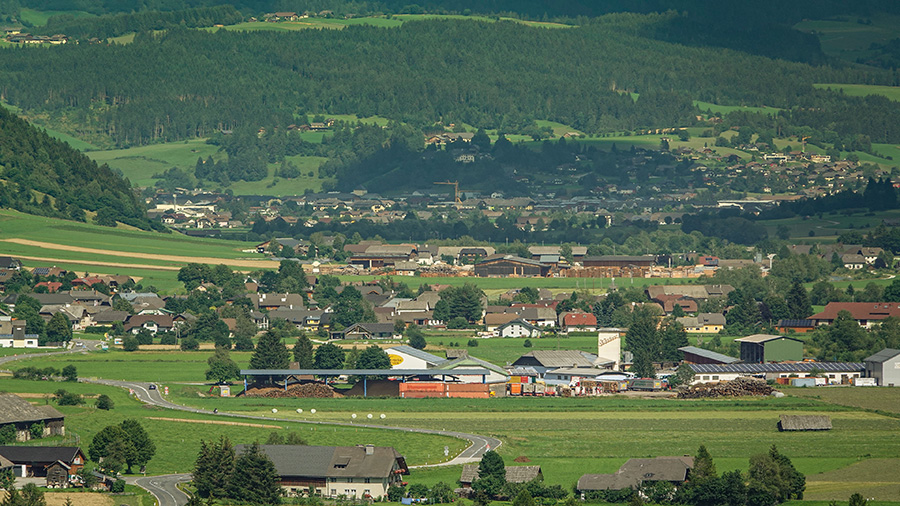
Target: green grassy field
847,38
177,442
883,399
39,18
711,108
141,163
862,90
122,247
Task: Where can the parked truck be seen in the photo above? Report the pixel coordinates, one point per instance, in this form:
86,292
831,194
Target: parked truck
646,384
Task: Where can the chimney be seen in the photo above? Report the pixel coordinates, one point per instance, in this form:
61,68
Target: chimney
370,449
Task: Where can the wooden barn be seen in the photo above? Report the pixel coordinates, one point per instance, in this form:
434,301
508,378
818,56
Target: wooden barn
804,422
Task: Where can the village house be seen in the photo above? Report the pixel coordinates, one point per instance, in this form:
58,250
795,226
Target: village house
59,464
518,328
866,314
355,472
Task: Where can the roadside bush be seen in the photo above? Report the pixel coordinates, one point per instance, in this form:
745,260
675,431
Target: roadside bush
190,344
395,494
117,487
35,374
527,343
104,402
70,373
458,323
473,343
130,343
168,338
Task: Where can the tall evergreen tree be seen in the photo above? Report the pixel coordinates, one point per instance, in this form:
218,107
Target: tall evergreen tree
270,353
798,303
329,356
254,479
213,468
303,353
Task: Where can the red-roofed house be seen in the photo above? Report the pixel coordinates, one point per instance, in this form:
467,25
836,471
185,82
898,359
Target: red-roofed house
866,314
91,281
579,322
52,286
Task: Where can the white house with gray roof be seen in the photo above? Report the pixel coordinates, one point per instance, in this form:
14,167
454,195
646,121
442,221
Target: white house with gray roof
407,357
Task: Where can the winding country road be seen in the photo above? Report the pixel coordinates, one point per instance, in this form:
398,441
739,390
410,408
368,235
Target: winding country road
164,487
479,444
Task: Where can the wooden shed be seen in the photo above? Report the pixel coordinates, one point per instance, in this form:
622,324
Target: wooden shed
804,422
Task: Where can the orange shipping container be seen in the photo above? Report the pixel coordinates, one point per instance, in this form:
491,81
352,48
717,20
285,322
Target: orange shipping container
515,389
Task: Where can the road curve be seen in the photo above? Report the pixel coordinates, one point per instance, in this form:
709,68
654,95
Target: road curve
164,488
477,447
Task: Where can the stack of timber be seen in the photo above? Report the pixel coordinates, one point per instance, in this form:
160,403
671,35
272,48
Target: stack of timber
737,388
305,390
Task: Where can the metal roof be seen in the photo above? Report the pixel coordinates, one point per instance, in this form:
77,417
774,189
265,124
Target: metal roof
762,338
700,352
883,355
416,353
364,372
779,367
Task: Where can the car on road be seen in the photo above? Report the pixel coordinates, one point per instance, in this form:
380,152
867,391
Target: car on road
152,387
79,344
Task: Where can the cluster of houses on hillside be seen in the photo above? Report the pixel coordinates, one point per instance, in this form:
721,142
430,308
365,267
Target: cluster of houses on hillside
14,36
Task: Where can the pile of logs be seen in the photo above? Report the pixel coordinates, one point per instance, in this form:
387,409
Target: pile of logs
737,388
305,390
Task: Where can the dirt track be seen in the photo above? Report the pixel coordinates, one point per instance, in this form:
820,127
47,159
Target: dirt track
252,264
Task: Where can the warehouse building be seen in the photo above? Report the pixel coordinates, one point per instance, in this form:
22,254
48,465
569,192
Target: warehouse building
884,366
763,348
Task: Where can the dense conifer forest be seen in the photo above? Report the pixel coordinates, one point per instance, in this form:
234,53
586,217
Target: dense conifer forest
41,175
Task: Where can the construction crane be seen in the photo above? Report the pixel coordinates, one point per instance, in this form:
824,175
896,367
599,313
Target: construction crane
455,190
803,140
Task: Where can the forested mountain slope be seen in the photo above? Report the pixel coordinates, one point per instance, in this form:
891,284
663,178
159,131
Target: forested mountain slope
185,83
32,163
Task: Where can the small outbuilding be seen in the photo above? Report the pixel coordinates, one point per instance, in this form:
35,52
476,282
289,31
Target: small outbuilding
804,422
514,474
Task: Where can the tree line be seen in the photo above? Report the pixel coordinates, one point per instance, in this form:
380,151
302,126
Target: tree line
103,27
452,71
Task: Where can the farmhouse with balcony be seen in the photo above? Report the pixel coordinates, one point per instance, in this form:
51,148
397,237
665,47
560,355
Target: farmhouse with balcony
355,472
364,331
703,323
518,328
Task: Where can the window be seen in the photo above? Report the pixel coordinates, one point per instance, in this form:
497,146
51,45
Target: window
368,480
715,377
349,480
333,491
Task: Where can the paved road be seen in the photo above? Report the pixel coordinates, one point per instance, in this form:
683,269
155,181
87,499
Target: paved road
164,488
88,346
478,444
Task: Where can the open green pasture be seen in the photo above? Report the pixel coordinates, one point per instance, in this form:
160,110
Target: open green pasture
877,399
150,366
846,38
828,226
862,90
140,163
177,442
711,108
281,187
39,18
16,225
